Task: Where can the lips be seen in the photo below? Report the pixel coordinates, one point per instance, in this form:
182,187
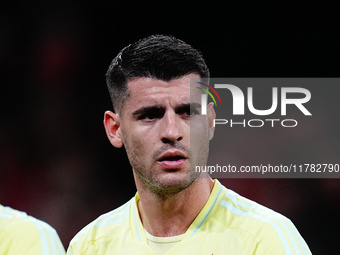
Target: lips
172,159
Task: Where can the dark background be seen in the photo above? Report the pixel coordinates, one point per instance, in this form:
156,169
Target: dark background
55,160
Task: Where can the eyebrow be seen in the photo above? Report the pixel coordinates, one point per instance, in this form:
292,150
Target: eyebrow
179,108
185,106
146,109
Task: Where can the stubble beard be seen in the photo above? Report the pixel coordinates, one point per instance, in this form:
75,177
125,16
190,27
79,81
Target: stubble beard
167,186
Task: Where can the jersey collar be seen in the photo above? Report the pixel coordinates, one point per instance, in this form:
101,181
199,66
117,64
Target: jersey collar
138,230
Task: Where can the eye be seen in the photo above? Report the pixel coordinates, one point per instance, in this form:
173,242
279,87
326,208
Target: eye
188,111
151,114
193,111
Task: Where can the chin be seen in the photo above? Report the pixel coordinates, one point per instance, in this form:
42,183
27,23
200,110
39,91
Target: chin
171,184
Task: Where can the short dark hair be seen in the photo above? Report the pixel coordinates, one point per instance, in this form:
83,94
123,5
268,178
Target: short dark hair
161,57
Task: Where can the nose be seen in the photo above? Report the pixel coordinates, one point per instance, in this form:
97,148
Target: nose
172,130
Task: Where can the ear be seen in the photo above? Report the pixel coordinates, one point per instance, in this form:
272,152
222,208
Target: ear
112,128
211,117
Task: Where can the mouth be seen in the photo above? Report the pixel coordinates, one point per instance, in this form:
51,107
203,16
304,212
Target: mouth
172,160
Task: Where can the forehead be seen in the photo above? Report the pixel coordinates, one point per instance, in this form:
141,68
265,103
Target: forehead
148,90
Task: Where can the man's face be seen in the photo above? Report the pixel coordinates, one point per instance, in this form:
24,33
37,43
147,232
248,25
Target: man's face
155,129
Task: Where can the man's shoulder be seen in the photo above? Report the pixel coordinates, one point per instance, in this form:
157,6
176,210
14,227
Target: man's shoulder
112,224
258,225
237,211
20,232
18,221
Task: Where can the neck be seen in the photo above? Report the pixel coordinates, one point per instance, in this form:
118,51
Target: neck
172,215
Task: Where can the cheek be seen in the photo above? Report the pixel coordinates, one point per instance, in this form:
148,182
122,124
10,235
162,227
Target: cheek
199,138
132,145
199,129
199,152
139,140
136,149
